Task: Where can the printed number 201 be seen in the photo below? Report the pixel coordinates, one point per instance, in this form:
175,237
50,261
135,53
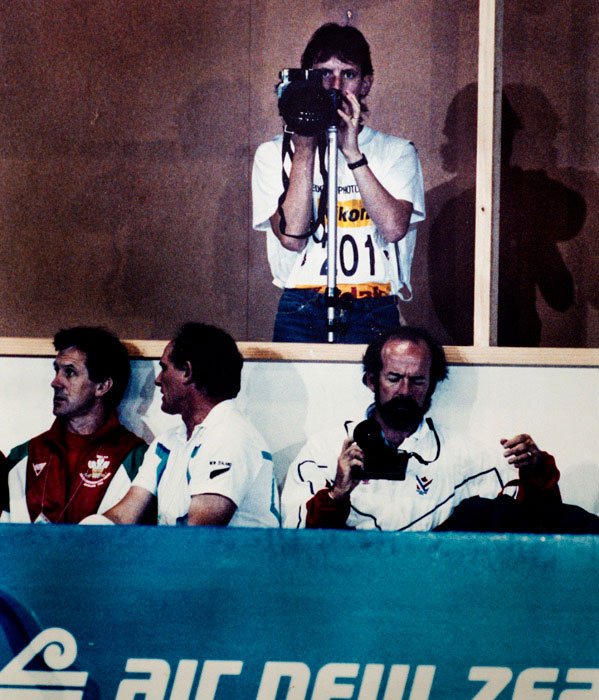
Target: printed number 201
497,678
349,256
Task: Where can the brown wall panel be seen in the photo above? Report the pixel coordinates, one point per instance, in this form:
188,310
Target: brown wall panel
127,132
551,74
124,152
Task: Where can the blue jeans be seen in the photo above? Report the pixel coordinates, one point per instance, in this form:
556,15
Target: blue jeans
302,318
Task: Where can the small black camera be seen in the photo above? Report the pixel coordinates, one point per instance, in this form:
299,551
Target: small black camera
306,107
381,460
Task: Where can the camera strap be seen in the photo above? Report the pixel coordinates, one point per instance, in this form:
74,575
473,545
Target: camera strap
287,152
417,457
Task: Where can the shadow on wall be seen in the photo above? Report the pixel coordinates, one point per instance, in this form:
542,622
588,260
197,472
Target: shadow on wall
138,400
275,398
536,212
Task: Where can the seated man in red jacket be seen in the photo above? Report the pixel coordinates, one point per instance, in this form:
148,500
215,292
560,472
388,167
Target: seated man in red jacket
86,461
399,470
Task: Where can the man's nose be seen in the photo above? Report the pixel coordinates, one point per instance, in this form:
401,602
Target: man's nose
336,82
404,388
56,383
158,379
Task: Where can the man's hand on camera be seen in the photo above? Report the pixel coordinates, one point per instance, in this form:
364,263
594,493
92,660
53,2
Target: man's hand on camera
350,460
350,127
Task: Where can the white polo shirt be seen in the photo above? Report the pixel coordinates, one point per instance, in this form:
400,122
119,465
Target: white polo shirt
225,455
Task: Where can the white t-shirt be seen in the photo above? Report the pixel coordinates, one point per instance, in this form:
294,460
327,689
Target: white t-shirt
426,497
363,255
225,455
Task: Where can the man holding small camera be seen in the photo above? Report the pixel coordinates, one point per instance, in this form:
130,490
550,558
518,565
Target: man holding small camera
380,199
417,475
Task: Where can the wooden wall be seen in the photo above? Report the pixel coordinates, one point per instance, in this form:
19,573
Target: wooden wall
127,132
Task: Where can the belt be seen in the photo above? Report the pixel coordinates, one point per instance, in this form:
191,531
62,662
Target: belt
368,290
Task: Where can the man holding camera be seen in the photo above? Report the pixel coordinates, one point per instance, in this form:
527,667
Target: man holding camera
433,473
380,199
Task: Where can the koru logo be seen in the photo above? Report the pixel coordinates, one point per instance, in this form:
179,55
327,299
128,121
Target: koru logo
58,649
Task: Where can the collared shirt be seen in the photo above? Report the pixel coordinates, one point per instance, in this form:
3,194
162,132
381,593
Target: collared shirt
225,455
422,501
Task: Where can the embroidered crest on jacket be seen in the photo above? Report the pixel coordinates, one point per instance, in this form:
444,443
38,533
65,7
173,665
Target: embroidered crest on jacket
97,471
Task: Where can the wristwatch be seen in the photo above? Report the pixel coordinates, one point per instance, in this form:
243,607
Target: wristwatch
358,163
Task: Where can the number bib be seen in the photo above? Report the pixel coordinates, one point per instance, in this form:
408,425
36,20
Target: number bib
362,257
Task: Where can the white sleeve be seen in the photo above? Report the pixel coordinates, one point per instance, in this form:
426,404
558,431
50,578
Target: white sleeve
313,467
267,184
404,180
117,489
267,187
484,472
152,467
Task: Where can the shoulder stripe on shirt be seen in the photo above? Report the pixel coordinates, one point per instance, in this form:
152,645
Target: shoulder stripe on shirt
162,453
18,453
134,459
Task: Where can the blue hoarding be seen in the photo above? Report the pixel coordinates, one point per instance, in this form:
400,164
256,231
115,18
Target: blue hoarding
125,613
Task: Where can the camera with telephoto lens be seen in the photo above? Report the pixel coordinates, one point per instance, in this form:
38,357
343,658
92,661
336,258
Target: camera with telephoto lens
306,107
381,460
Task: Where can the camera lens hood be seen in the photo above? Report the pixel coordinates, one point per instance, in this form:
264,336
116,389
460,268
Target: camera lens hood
307,108
381,460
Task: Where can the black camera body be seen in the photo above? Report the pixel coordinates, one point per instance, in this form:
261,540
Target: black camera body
381,460
306,107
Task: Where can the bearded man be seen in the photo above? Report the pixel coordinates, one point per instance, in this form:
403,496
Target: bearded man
398,470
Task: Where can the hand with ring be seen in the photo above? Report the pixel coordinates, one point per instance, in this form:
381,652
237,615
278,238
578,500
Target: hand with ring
520,450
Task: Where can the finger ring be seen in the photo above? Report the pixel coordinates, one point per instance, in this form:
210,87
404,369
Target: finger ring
529,453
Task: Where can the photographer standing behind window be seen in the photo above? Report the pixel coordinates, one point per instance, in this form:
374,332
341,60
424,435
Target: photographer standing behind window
380,198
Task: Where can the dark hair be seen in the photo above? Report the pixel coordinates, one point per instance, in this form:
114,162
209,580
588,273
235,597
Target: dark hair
343,42
214,358
105,357
372,362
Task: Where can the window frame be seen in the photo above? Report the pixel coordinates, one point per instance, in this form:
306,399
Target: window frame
484,350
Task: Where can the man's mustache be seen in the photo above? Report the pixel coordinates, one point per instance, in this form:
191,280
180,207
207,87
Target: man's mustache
402,403
401,411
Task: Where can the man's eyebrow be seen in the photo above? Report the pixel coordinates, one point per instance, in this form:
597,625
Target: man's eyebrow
63,365
392,373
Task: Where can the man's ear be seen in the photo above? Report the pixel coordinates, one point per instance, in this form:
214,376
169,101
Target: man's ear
368,380
187,372
102,388
367,81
